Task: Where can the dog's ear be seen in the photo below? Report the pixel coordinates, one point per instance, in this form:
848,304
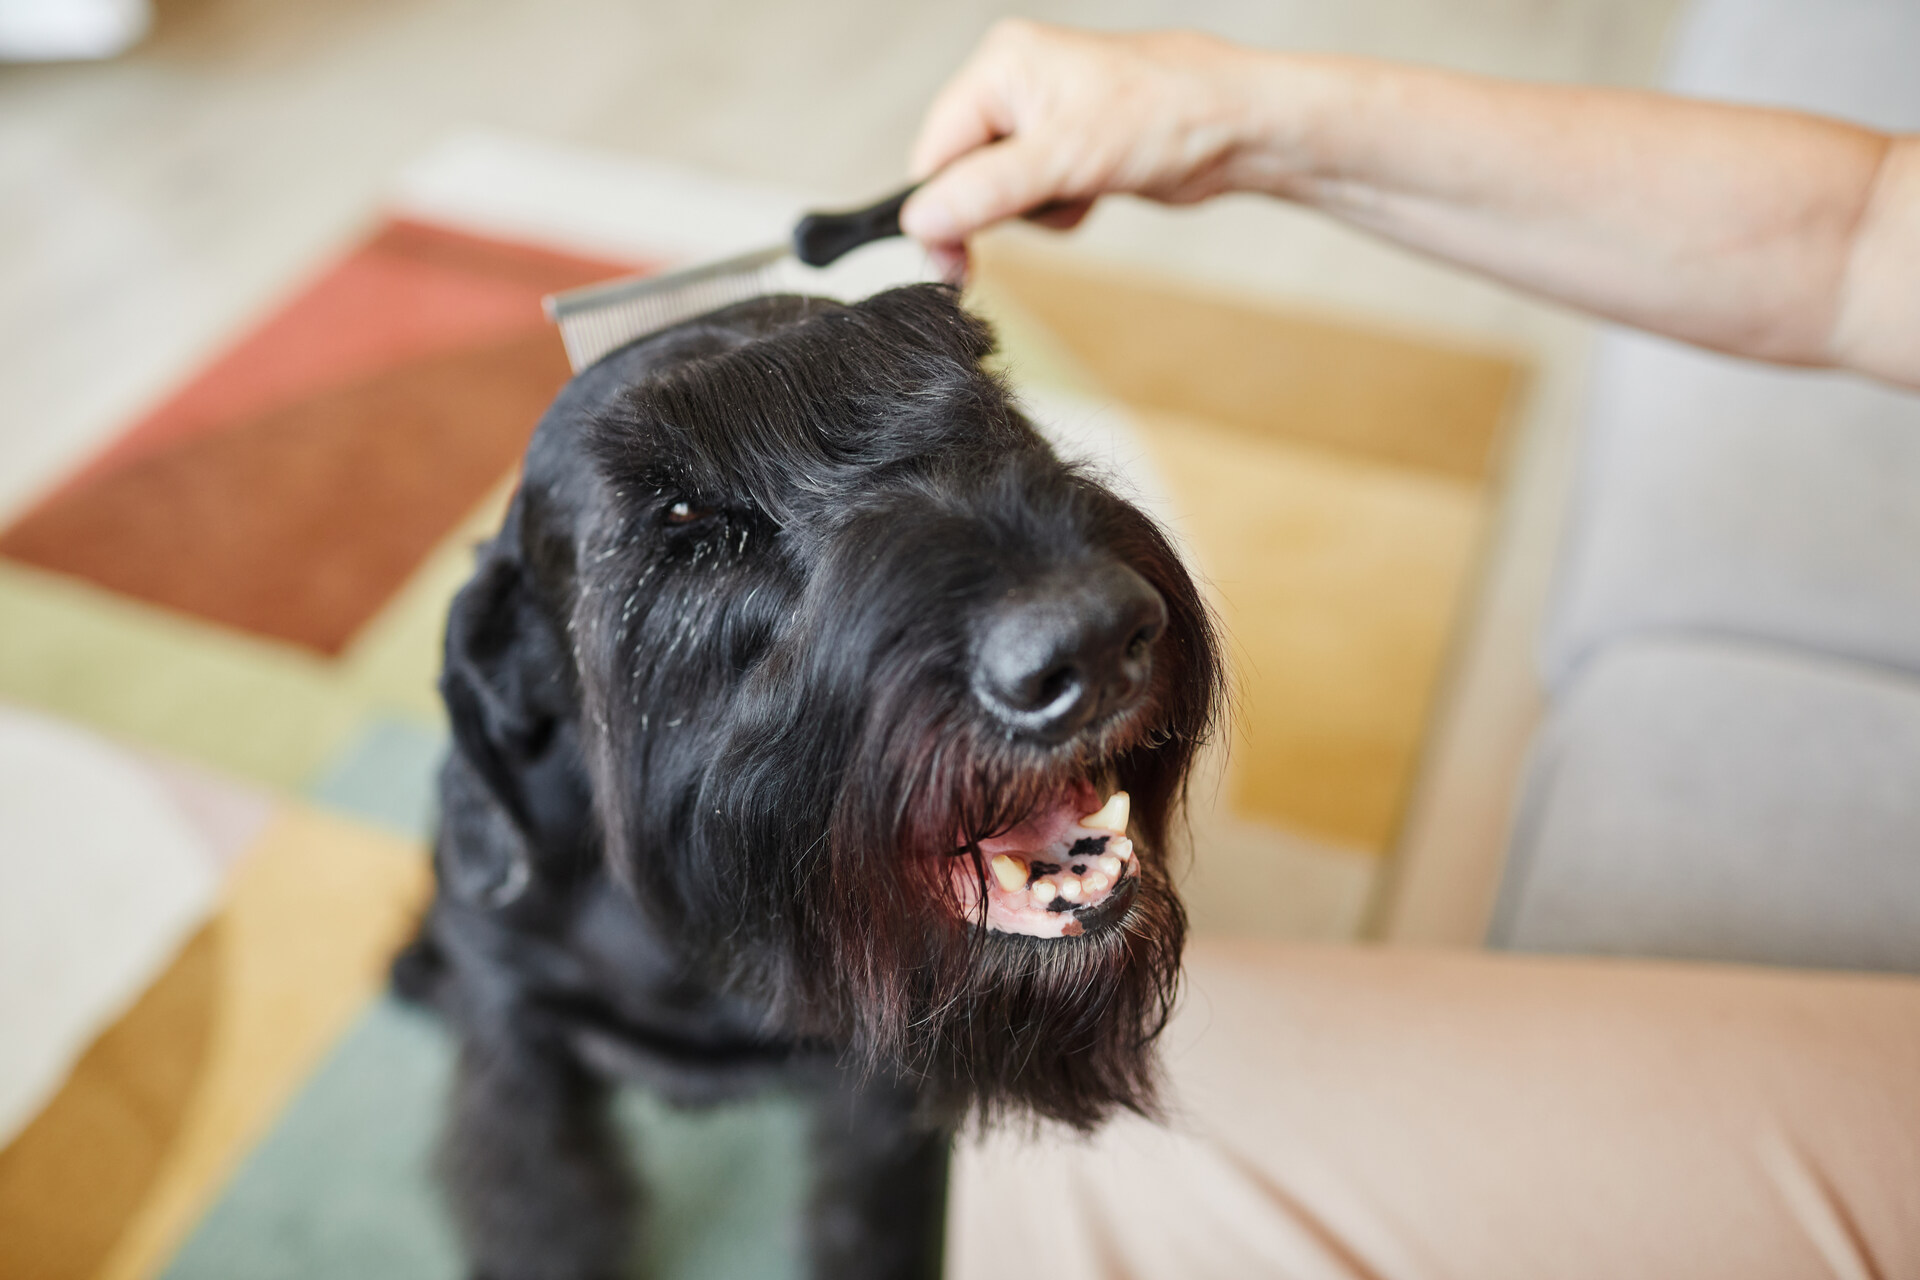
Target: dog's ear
504,684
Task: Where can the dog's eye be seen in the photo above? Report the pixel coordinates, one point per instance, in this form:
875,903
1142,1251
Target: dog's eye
684,512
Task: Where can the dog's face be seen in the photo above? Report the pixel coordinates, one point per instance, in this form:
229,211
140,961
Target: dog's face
863,681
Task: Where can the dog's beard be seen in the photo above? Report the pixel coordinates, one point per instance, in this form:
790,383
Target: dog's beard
1060,1028
834,874
1056,1022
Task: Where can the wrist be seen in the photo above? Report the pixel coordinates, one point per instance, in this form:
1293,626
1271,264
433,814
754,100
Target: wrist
1283,113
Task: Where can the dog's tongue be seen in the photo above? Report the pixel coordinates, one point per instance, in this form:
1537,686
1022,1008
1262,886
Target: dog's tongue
1062,862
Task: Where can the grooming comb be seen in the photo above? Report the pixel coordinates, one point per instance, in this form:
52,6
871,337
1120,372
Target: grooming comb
596,319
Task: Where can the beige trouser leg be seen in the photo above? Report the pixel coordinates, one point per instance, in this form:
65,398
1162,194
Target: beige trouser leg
1402,1114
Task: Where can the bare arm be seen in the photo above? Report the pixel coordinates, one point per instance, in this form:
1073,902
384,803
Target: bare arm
1770,234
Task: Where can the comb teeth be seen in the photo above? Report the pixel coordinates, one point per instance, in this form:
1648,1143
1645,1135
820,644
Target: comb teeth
602,317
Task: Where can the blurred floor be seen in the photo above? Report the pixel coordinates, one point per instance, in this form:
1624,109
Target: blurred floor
156,209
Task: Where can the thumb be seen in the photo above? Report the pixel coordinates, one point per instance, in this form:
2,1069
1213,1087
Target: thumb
981,188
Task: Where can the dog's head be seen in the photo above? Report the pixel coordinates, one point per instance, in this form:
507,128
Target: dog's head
856,679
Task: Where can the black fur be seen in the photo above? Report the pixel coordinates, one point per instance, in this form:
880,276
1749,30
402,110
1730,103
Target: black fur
715,747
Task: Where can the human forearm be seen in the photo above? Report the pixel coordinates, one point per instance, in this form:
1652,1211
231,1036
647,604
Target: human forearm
1731,227
1767,233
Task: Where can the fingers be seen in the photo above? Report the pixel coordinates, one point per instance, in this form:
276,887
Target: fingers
969,153
973,108
965,115
950,263
1044,114
1002,180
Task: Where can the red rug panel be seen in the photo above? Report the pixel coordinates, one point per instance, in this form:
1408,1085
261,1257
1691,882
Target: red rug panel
293,486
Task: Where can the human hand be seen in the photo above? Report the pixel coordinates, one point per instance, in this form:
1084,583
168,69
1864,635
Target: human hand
1044,118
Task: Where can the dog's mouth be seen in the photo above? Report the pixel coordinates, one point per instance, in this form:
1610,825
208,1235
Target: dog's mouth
1066,870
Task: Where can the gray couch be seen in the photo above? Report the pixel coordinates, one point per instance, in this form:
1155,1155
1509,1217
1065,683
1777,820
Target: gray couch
1730,768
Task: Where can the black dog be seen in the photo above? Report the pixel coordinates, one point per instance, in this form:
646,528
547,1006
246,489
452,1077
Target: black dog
789,709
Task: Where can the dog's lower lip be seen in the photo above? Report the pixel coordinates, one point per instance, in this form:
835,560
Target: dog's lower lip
1109,912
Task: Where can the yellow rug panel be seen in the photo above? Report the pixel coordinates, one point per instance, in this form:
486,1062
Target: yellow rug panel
1338,580
106,1180
1421,402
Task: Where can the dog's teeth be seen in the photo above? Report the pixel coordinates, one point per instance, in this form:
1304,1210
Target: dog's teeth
1070,889
1043,892
1112,816
1110,866
1098,882
1121,848
1010,872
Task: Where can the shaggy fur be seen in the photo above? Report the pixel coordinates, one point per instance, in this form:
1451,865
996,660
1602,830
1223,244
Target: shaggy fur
718,745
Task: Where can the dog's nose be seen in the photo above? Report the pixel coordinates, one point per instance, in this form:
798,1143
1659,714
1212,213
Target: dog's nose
1069,652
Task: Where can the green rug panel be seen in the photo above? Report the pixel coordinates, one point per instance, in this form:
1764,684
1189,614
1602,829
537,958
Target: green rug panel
385,776
340,1189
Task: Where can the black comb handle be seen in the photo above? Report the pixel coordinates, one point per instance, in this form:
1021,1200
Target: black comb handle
822,238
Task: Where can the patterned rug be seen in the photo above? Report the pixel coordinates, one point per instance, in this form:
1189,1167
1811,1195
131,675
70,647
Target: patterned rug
218,640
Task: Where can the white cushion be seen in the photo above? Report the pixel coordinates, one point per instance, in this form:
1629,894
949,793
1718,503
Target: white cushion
1720,801
1851,58
1728,498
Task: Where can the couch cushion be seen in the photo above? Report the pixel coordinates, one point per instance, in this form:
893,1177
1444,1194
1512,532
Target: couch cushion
1729,498
1722,801
1851,58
